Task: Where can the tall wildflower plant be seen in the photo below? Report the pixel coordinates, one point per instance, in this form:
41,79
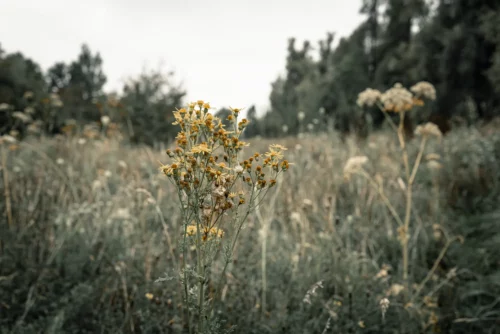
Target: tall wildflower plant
217,191
400,100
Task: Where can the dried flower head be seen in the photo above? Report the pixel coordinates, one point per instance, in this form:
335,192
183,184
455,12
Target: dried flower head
437,231
55,100
28,95
22,116
384,306
312,292
424,89
29,110
8,139
383,272
353,165
4,106
105,120
301,115
395,290
434,165
368,97
428,129
432,156
397,99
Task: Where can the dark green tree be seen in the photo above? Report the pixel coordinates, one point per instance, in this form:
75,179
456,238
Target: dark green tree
149,100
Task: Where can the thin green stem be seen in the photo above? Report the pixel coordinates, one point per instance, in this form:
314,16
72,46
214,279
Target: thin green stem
382,195
436,263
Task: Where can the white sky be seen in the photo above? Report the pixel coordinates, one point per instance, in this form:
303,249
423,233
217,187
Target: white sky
227,52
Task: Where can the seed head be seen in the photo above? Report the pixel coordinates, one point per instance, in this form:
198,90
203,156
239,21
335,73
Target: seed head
397,99
429,129
424,89
368,97
384,306
354,164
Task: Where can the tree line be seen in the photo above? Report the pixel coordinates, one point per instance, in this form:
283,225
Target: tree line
454,44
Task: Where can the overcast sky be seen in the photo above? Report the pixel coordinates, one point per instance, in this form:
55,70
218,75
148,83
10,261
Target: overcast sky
227,52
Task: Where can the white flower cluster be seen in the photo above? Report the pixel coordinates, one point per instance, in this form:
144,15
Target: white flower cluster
397,98
368,97
424,89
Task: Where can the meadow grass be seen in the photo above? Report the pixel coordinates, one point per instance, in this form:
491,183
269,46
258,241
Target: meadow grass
91,230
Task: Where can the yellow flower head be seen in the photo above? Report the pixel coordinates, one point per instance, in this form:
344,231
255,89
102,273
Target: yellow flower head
214,231
277,147
428,129
191,230
235,110
201,148
274,154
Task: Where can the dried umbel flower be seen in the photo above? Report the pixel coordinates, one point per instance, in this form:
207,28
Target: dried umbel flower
4,106
301,115
397,99
384,272
354,164
368,97
452,273
430,302
428,129
8,139
384,306
295,216
55,100
434,165
34,128
28,95
14,133
312,292
395,290
403,234
424,89
29,110
432,156
22,116
437,231
105,120
307,204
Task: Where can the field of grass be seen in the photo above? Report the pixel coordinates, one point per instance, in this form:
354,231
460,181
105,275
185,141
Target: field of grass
89,228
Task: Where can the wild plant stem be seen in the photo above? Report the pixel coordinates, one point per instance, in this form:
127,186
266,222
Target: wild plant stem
263,268
233,244
265,228
201,295
263,261
8,209
405,236
384,198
